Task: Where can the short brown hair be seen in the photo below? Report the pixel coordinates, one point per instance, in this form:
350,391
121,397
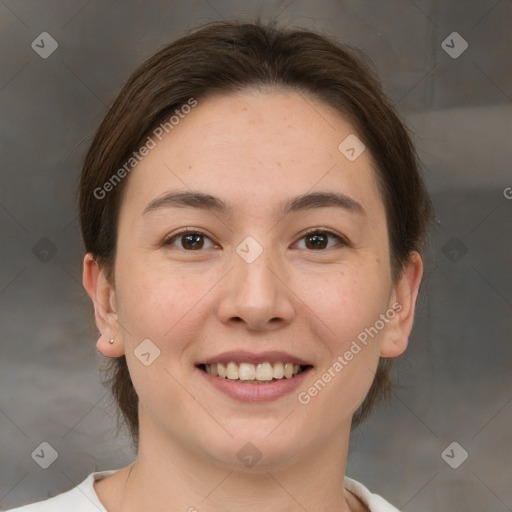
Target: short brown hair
229,56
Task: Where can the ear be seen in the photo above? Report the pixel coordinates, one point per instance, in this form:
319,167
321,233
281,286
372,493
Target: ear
403,302
103,297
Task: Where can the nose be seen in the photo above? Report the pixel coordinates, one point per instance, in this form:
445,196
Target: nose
256,295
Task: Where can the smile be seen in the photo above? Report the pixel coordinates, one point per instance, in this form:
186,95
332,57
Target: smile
254,389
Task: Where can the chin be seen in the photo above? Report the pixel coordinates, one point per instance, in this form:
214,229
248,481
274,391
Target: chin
254,451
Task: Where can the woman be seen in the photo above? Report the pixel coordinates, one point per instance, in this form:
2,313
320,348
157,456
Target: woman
253,217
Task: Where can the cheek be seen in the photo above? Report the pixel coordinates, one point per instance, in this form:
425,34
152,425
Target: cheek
163,304
154,306
343,308
162,308
344,303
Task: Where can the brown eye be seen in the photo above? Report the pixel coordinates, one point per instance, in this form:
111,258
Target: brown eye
318,240
189,240
192,241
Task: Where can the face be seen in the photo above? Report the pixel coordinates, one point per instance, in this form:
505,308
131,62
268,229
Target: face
295,266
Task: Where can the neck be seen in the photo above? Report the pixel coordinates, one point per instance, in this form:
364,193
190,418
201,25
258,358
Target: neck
169,477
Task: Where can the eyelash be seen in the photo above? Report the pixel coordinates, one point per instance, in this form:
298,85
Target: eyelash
342,241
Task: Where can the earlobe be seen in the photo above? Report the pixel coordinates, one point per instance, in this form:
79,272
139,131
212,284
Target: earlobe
403,302
109,347
102,294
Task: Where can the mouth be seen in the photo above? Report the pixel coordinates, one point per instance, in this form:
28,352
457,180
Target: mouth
254,377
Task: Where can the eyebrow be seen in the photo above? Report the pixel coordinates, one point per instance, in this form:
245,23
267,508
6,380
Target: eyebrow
207,202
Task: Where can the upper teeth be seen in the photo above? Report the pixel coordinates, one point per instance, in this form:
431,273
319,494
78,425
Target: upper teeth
249,371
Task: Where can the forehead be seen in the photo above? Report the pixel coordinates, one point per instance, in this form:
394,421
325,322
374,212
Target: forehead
253,147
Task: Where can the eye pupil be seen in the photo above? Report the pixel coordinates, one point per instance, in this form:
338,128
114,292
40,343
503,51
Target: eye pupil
318,240
193,244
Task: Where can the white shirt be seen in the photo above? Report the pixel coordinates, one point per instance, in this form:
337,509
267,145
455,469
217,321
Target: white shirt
83,498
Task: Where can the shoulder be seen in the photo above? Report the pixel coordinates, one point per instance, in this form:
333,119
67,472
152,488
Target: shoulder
373,502
81,498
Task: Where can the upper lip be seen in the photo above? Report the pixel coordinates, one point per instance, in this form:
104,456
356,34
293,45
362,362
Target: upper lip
241,356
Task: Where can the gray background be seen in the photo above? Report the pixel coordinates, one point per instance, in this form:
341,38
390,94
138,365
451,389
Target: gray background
455,378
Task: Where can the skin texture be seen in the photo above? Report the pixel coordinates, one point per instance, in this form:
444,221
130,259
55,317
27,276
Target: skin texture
253,150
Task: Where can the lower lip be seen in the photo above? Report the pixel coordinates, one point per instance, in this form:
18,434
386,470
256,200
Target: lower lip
255,392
